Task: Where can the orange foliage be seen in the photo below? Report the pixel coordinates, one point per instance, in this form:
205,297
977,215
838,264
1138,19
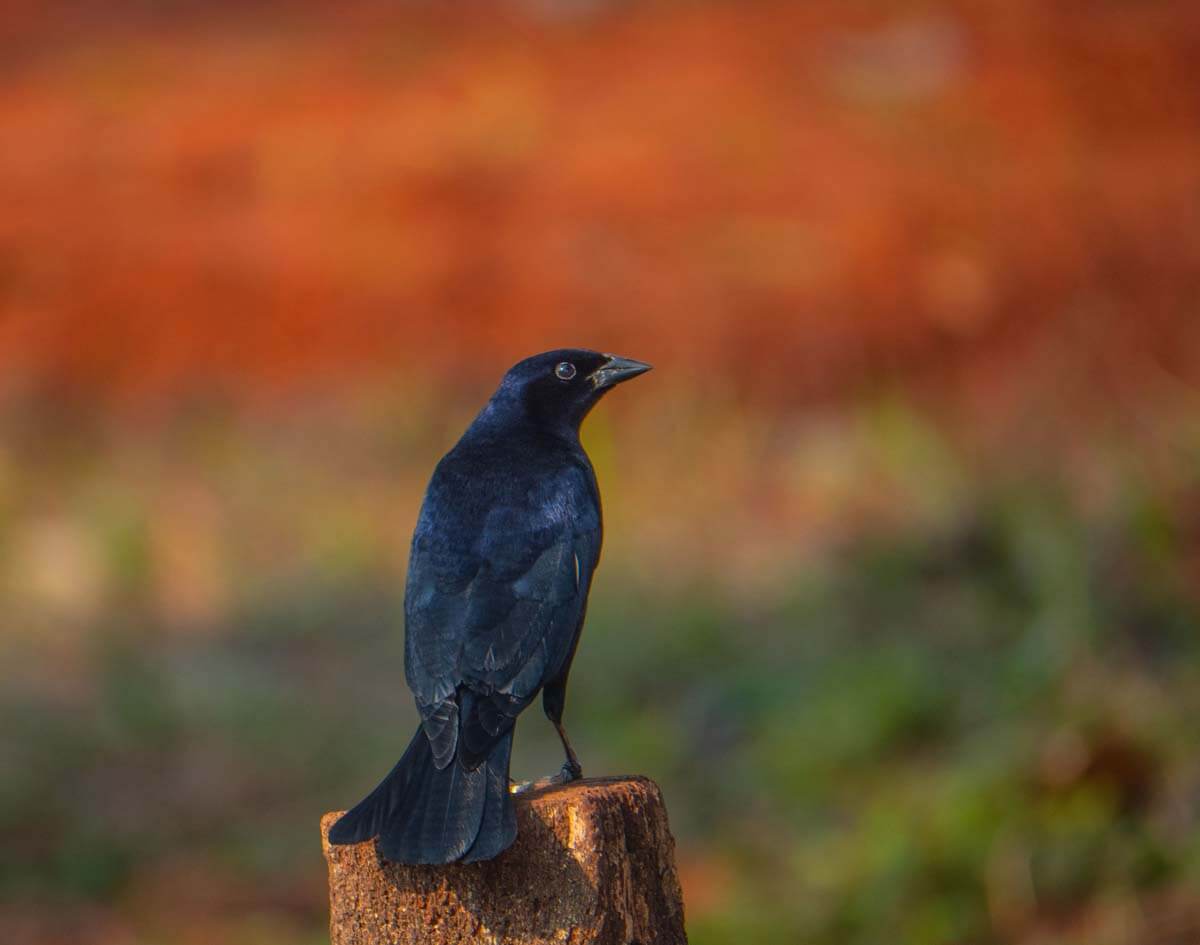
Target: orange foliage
816,196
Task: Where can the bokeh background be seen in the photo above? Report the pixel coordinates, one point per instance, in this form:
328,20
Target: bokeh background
899,602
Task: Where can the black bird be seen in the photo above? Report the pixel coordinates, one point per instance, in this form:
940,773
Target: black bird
502,559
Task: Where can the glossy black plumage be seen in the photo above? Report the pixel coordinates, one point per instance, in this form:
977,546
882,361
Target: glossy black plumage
502,559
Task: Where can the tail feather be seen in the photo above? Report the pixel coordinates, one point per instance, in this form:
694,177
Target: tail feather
401,835
372,814
498,828
455,810
425,815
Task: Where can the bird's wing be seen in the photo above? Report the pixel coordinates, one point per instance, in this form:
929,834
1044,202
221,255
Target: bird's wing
487,624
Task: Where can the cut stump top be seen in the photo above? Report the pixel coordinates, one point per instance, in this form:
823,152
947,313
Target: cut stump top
594,863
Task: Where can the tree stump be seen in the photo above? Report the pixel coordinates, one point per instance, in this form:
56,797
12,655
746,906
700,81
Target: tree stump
593,864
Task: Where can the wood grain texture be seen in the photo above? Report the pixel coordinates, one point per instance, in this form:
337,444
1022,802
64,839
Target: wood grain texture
594,863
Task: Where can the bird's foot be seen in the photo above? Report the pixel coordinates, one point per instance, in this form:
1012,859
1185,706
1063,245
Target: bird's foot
570,771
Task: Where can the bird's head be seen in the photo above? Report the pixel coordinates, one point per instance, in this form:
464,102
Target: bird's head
558,388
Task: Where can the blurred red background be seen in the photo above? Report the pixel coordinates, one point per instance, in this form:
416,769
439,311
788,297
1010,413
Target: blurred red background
807,198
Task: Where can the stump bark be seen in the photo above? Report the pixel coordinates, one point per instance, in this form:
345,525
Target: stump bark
593,864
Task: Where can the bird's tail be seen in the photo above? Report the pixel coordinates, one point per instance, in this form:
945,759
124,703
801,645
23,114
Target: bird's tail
425,815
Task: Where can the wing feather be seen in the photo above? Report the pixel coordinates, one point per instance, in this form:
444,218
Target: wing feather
490,620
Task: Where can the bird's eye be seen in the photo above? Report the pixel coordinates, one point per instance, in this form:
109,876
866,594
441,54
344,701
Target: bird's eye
564,371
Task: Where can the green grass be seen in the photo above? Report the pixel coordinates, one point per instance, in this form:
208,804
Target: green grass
978,728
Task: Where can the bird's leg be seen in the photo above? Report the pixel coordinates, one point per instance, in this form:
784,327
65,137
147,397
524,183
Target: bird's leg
572,770
553,699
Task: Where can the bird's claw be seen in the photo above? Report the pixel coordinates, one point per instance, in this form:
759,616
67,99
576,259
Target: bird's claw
570,771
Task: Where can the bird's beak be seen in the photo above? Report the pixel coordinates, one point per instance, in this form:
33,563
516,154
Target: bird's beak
615,370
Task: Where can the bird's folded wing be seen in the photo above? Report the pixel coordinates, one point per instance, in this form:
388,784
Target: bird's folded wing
489,622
